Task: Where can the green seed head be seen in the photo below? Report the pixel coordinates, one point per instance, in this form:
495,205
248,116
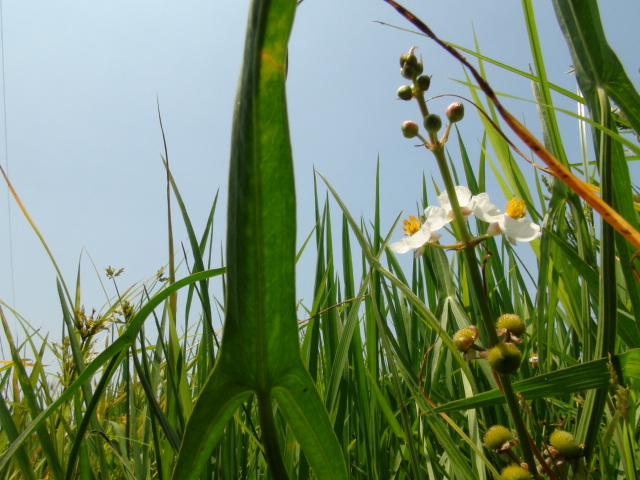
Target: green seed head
455,112
511,322
515,472
496,437
465,338
432,123
505,358
565,443
409,129
405,92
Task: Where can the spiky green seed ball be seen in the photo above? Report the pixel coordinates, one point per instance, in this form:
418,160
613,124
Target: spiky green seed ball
464,338
496,437
505,358
515,472
511,322
565,443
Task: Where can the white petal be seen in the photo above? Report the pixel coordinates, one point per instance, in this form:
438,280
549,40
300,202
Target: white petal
416,240
485,210
436,217
521,229
462,193
400,247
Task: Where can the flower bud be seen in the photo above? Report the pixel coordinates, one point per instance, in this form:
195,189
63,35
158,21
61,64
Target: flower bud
408,71
408,59
418,69
405,92
565,443
511,322
432,123
464,338
496,437
505,358
423,82
455,112
515,472
409,129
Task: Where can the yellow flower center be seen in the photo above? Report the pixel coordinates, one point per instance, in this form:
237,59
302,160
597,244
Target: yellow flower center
411,226
516,208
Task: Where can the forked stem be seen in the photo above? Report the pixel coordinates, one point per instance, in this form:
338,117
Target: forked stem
475,275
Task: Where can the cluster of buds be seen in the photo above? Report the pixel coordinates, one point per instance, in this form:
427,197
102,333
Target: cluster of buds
411,68
505,357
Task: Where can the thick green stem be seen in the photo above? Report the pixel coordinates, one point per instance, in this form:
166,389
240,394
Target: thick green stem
270,437
475,276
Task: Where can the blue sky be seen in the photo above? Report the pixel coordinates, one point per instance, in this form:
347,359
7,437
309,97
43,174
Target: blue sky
83,142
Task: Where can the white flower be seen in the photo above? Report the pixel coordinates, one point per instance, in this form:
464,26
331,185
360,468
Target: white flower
465,199
417,235
438,217
512,223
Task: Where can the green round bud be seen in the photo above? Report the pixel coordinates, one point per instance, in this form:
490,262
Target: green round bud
565,443
505,358
409,129
419,68
511,322
464,338
408,71
432,123
408,59
405,92
423,82
455,112
515,472
496,437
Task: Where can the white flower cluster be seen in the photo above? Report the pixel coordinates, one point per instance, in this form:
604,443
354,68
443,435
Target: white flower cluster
513,223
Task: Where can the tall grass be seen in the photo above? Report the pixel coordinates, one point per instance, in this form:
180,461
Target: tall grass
367,382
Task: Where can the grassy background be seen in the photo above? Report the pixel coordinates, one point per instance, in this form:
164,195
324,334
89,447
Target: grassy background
399,400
